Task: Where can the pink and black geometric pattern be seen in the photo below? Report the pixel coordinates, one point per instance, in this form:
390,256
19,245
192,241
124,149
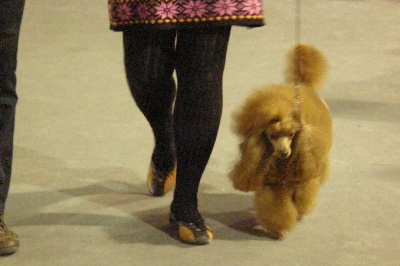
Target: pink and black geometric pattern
185,12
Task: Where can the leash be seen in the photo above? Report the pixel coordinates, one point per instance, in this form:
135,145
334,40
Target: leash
296,100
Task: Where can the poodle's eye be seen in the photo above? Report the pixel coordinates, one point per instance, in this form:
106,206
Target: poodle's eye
274,121
291,135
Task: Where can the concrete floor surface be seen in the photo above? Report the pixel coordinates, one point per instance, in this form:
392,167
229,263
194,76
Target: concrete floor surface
78,194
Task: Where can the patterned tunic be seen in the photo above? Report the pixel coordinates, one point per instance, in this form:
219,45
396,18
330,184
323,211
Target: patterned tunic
184,13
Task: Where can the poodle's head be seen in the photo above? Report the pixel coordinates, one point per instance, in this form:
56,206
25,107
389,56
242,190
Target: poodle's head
281,135
269,116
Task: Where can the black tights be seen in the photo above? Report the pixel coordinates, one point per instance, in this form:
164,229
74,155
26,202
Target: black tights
184,120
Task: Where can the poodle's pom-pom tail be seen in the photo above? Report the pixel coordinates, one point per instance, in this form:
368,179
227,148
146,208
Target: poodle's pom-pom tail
307,66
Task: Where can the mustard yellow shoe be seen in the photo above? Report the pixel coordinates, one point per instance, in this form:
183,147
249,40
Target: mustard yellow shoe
159,183
197,233
9,241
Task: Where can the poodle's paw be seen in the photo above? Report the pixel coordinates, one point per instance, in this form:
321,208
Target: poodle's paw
260,228
276,235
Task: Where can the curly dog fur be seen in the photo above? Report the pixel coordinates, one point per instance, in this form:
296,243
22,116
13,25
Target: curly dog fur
284,152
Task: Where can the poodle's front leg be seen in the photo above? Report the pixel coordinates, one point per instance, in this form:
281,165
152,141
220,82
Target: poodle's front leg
276,212
305,196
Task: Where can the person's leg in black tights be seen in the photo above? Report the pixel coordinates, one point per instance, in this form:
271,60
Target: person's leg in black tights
149,64
200,62
199,59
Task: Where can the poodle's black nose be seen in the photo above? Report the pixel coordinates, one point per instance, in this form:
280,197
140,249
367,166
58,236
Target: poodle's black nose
284,154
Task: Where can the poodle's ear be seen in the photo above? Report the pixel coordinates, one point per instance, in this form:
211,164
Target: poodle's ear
295,141
268,145
303,154
300,132
244,174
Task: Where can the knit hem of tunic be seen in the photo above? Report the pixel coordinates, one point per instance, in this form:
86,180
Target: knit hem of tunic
176,24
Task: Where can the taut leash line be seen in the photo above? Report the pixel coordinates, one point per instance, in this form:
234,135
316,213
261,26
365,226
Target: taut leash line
296,61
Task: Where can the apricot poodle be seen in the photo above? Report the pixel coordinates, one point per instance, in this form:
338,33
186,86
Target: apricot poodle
286,136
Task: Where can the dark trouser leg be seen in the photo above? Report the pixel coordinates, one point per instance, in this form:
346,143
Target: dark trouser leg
149,64
200,64
10,21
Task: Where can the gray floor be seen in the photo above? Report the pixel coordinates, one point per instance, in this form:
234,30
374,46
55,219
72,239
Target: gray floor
78,194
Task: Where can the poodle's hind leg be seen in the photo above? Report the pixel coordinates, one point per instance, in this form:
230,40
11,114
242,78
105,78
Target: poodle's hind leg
305,196
275,210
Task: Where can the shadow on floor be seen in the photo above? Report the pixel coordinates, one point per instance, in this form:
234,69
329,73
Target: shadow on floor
40,208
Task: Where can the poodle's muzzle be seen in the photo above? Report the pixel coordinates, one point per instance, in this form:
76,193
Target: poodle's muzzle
281,144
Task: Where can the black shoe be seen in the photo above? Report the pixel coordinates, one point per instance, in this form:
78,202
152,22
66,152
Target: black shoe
196,233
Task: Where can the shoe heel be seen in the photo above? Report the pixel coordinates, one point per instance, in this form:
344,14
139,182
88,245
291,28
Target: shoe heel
160,183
